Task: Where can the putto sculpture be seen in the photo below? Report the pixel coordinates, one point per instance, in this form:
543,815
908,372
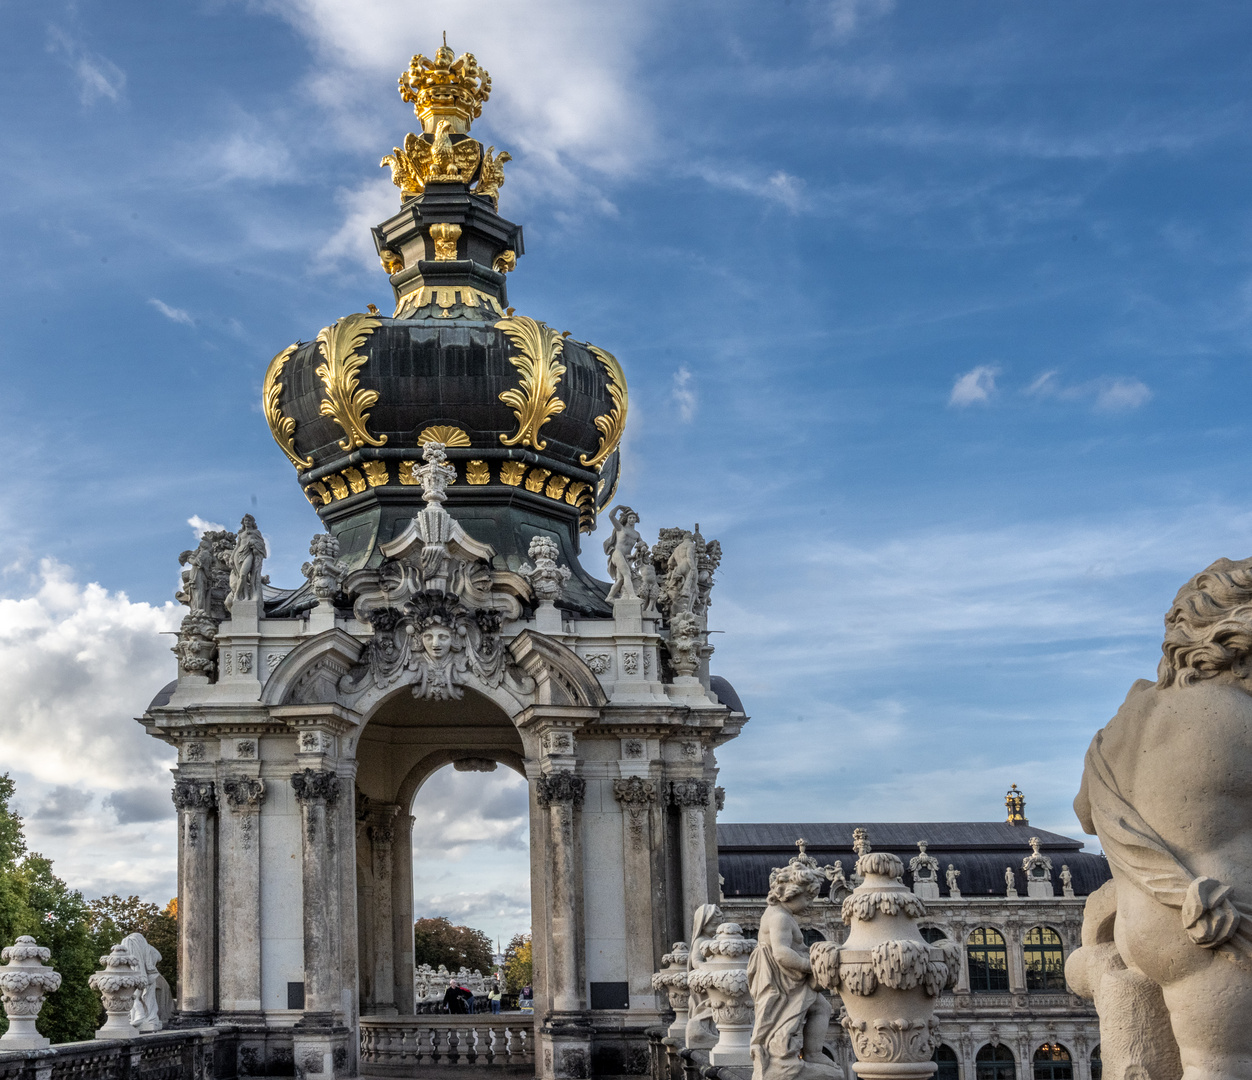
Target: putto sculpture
791,1016
1166,788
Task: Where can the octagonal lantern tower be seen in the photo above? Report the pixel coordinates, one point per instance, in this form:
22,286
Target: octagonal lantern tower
454,452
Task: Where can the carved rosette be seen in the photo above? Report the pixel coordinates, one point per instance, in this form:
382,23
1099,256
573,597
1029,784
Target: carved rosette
316,785
560,787
886,974
24,982
724,978
690,794
116,985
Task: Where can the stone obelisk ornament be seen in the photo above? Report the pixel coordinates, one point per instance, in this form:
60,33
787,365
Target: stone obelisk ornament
886,974
1167,786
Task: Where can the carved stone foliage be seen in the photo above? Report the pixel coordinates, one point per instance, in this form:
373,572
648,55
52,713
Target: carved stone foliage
313,785
560,787
194,795
24,982
690,794
546,578
244,792
435,605
116,985
635,793
326,572
685,644
723,978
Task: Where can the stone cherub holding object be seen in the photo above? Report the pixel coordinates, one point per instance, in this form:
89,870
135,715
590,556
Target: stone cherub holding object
1167,787
791,1016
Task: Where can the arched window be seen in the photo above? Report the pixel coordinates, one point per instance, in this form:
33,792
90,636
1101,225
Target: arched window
1097,1066
988,962
933,934
1052,1062
945,1058
995,1062
1045,959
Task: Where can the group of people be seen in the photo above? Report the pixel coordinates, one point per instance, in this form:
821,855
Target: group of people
460,999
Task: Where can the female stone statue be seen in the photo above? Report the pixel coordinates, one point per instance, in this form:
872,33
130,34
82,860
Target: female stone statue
245,562
701,1031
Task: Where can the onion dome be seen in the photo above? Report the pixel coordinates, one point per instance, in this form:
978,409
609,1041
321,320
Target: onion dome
531,418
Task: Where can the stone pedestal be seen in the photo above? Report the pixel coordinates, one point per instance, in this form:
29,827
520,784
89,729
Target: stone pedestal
724,978
24,982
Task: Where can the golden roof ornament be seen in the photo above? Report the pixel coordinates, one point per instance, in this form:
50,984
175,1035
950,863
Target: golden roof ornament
1015,801
447,94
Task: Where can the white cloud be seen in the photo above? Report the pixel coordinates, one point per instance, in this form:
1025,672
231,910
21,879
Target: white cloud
98,77
174,314
1122,395
374,201
684,393
847,16
200,526
974,386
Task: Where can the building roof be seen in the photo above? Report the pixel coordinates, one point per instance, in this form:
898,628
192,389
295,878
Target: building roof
980,850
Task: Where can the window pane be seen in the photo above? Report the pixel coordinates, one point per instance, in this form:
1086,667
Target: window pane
988,962
1045,960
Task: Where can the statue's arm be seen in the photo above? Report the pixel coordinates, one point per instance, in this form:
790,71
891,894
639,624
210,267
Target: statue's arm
780,938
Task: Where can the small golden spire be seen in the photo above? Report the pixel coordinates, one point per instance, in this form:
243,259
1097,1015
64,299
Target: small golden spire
1015,800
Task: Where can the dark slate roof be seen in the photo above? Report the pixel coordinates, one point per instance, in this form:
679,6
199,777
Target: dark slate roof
163,695
980,850
725,693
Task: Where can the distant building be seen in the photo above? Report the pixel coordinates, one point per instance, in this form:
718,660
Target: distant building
1011,1016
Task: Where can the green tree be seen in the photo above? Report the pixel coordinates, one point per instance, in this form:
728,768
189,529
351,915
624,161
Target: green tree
436,941
519,970
112,918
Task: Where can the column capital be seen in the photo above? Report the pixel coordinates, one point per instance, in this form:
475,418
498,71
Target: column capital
316,785
194,794
634,792
244,792
690,794
561,786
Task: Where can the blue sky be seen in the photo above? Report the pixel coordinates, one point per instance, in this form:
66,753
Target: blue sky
938,316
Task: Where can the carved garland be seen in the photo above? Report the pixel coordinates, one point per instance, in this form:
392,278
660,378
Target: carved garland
613,422
283,428
534,401
344,402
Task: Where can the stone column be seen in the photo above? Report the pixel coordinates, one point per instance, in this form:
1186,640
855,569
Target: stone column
239,848
317,791
638,797
402,913
381,832
561,793
692,799
196,801
1017,961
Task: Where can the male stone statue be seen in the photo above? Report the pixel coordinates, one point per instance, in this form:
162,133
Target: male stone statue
619,547
953,873
1167,786
791,1016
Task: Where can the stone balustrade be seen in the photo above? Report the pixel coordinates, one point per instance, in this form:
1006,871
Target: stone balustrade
397,1045
185,1054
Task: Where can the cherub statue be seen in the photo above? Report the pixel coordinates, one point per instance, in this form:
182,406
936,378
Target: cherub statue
834,874
1067,881
682,576
647,585
952,874
619,548
245,563
791,1016
1010,883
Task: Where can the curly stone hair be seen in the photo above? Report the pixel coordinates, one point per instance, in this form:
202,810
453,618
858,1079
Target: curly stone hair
788,882
1209,628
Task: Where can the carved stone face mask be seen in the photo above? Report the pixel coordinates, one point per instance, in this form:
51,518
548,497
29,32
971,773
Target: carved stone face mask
437,641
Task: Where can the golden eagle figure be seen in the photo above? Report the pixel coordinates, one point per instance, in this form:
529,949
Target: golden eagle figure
491,178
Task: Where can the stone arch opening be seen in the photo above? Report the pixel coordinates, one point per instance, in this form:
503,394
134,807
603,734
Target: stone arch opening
404,742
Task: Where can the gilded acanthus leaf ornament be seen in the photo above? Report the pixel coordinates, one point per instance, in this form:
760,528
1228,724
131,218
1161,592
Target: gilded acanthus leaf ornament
613,422
534,402
283,428
344,402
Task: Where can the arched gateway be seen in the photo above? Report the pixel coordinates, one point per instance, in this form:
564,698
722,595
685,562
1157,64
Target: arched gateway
454,454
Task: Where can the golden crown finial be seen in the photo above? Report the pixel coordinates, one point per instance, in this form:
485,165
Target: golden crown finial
446,88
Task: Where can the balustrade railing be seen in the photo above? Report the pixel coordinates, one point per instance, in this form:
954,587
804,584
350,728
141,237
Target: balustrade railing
397,1045
184,1054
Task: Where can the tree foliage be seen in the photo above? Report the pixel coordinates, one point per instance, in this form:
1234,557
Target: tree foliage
519,970
34,901
436,941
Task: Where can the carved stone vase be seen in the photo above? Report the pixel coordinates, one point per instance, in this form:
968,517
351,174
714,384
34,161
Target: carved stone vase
886,974
724,978
116,985
672,980
24,982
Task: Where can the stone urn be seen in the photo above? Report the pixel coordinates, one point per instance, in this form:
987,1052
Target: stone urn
724,978
672,980
24,982
117,984
886,974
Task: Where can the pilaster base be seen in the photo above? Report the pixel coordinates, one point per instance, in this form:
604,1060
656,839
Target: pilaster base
321,1055
564,1047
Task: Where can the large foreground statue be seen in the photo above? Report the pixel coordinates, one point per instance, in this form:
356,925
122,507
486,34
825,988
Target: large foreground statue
1167,787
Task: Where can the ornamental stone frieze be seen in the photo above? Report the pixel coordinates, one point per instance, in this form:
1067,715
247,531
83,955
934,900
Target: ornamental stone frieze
194,795
560,787
316,785
244,792
690,794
